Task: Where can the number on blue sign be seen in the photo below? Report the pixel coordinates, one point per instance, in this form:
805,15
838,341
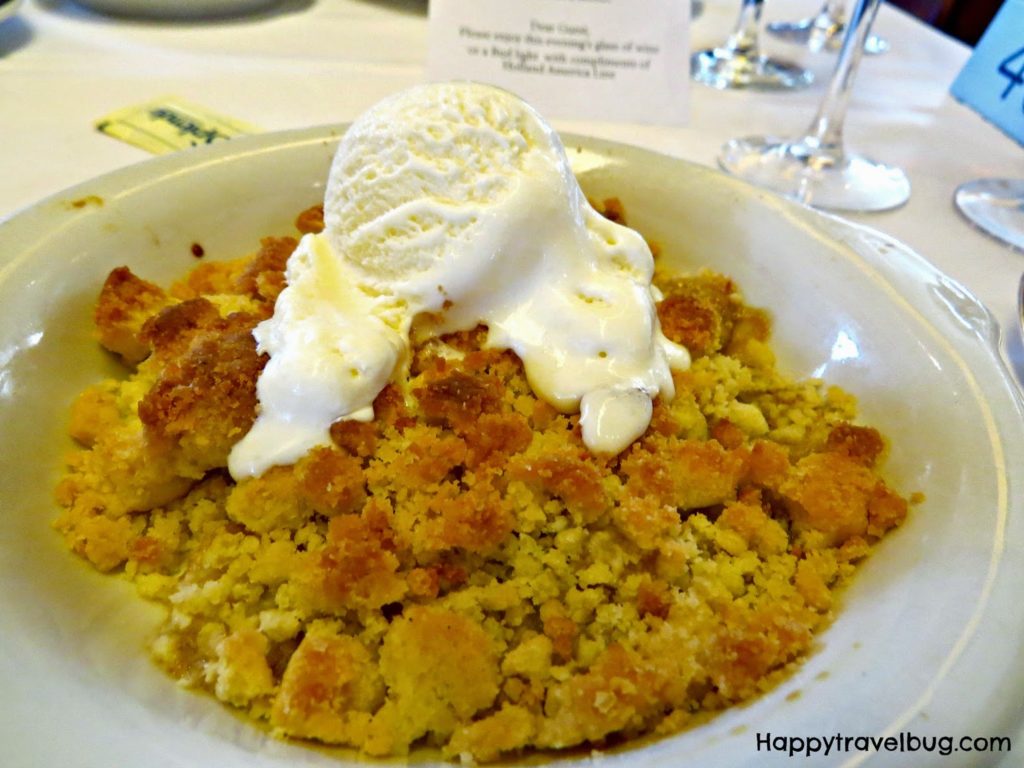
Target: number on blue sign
1016,77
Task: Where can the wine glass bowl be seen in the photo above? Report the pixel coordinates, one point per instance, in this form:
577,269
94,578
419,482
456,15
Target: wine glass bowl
725,68
824,31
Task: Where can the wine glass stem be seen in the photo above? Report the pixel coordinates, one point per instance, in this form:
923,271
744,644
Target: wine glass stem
826,130
745,37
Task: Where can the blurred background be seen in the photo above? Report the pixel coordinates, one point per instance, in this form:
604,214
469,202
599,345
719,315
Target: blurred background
965,20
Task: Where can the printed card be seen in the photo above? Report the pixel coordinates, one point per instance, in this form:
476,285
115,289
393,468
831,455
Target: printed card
611,60
992,81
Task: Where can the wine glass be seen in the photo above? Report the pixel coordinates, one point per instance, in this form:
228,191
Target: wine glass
739,63
996,206
824,31
815,168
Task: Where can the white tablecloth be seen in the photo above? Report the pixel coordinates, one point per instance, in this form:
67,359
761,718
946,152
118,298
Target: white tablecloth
323,61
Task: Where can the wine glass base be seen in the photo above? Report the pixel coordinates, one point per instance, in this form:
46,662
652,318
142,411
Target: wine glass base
817,35
995,206
724,69
823,178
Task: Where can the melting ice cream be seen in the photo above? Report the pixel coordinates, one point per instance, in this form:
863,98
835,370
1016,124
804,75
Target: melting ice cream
457,200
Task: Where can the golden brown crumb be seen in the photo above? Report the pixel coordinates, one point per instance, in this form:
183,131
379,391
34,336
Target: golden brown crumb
310,220
169,331
125,303
829,493
612,209
698,313
862,444
204,399
328,690
94,413
263,277
569,476
686,474
457,398
210,278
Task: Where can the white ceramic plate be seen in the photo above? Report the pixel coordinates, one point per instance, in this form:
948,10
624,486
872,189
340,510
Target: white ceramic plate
927,641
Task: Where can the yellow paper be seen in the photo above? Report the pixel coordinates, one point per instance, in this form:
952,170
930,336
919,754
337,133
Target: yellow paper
169,124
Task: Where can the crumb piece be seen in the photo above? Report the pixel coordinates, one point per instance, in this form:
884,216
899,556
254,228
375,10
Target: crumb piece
441,669
687,474
328,690
862,444
241,672
310,220
125,302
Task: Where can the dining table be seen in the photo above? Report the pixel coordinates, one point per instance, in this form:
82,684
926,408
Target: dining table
299,63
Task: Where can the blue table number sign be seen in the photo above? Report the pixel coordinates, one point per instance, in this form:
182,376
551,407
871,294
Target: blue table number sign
992,81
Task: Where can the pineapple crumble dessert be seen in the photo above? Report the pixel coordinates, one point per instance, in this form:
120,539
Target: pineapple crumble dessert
462,572
451,471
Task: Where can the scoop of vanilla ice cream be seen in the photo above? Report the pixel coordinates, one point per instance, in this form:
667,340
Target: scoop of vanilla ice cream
421,175
457,199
